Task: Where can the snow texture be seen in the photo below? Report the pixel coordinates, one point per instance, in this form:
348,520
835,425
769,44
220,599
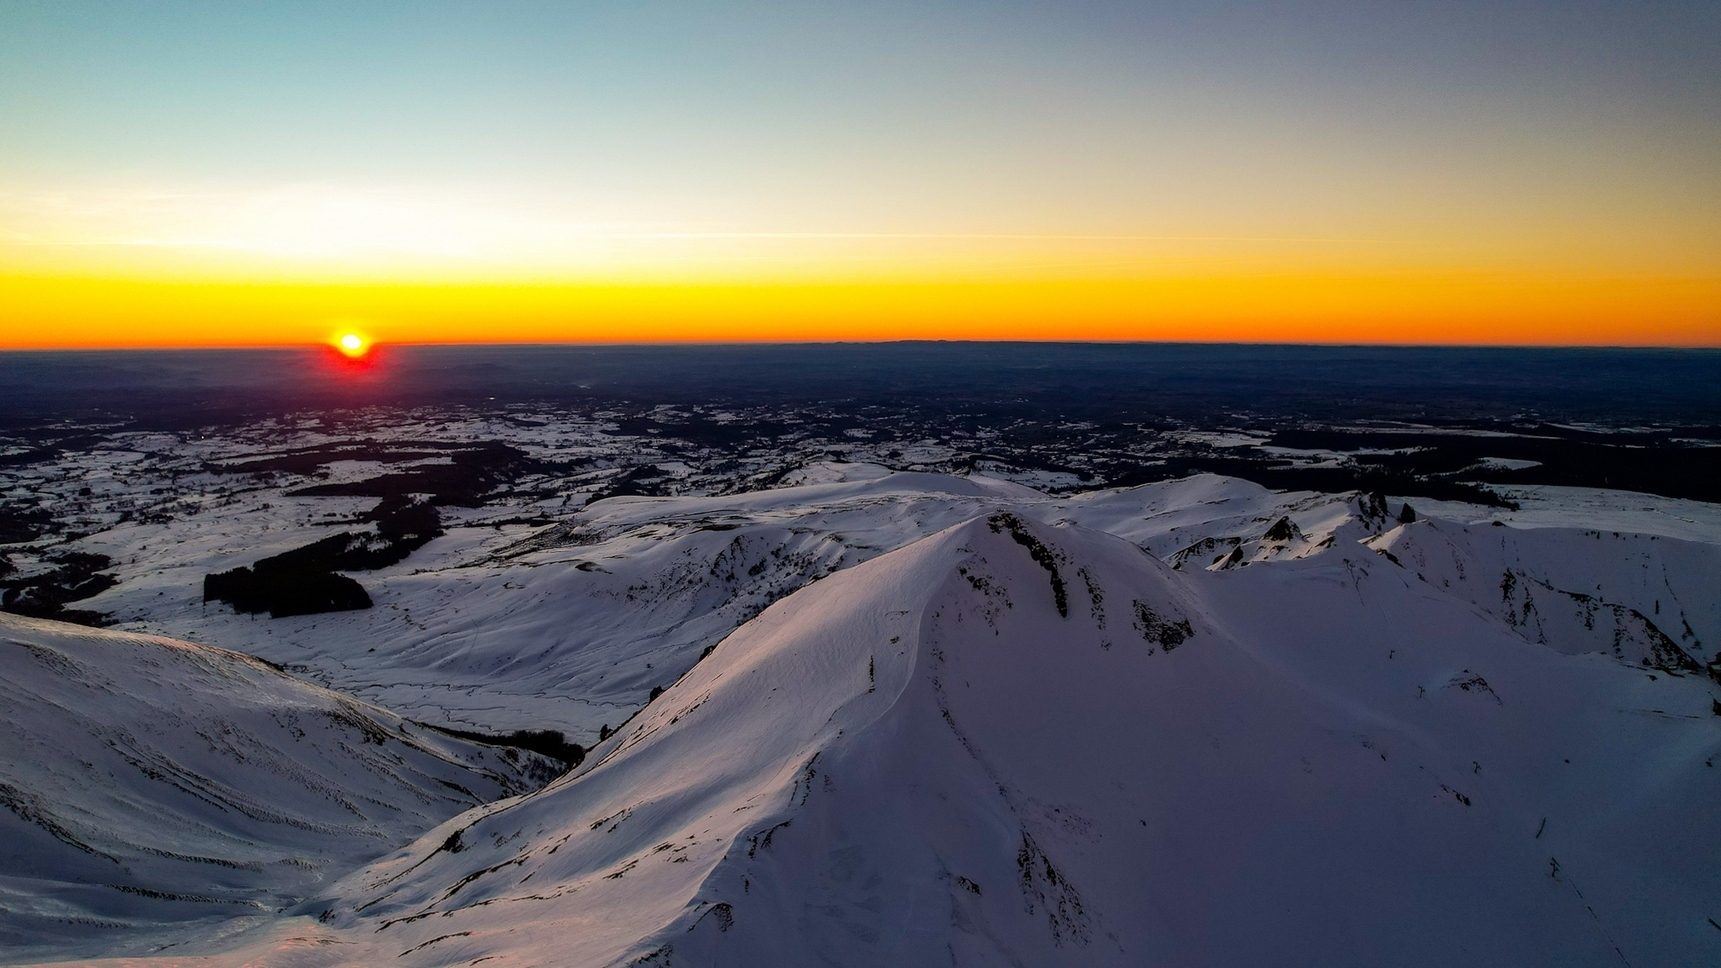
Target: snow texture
150,782
921,720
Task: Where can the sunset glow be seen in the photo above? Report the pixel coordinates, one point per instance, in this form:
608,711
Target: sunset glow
969,453
352,345
858,172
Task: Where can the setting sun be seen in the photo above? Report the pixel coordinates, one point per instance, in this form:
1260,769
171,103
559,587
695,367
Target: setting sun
353,345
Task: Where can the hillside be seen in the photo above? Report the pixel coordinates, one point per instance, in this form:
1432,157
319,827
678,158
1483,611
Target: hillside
151,784
916,720
1017,744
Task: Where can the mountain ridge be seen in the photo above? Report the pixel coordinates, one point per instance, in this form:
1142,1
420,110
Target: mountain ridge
916,819
1023,739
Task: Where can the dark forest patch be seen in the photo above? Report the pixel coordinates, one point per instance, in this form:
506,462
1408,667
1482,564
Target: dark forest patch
1279,475
1654,462
647,481
307,460
75,576
285,588
546,742
20,524
303,581
469,475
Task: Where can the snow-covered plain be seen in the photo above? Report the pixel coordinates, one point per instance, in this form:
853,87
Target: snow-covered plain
922,719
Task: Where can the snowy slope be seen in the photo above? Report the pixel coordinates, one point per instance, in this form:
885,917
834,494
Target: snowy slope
151,782
1017,744
954,720
1649,600
570,626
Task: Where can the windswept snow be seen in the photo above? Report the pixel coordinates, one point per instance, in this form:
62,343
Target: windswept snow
1651,600
569,626
150,783
913,719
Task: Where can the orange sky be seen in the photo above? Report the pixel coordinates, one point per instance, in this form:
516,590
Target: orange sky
68,312
1519,173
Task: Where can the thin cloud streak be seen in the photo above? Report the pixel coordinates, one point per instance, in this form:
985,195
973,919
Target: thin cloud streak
860,236
984,236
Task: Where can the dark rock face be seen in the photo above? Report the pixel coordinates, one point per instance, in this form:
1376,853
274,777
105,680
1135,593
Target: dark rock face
1155,629
1042,555
1282,530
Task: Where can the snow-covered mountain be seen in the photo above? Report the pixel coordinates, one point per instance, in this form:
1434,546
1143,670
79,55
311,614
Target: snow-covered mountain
1653,599
923,720
566,626
1017,744
150,783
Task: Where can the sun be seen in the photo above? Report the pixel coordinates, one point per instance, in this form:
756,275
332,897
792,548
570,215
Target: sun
353,345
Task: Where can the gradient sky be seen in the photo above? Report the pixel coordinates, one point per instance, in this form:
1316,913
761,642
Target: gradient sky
257,173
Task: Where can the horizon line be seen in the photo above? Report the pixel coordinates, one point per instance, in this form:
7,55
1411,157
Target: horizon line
675,344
